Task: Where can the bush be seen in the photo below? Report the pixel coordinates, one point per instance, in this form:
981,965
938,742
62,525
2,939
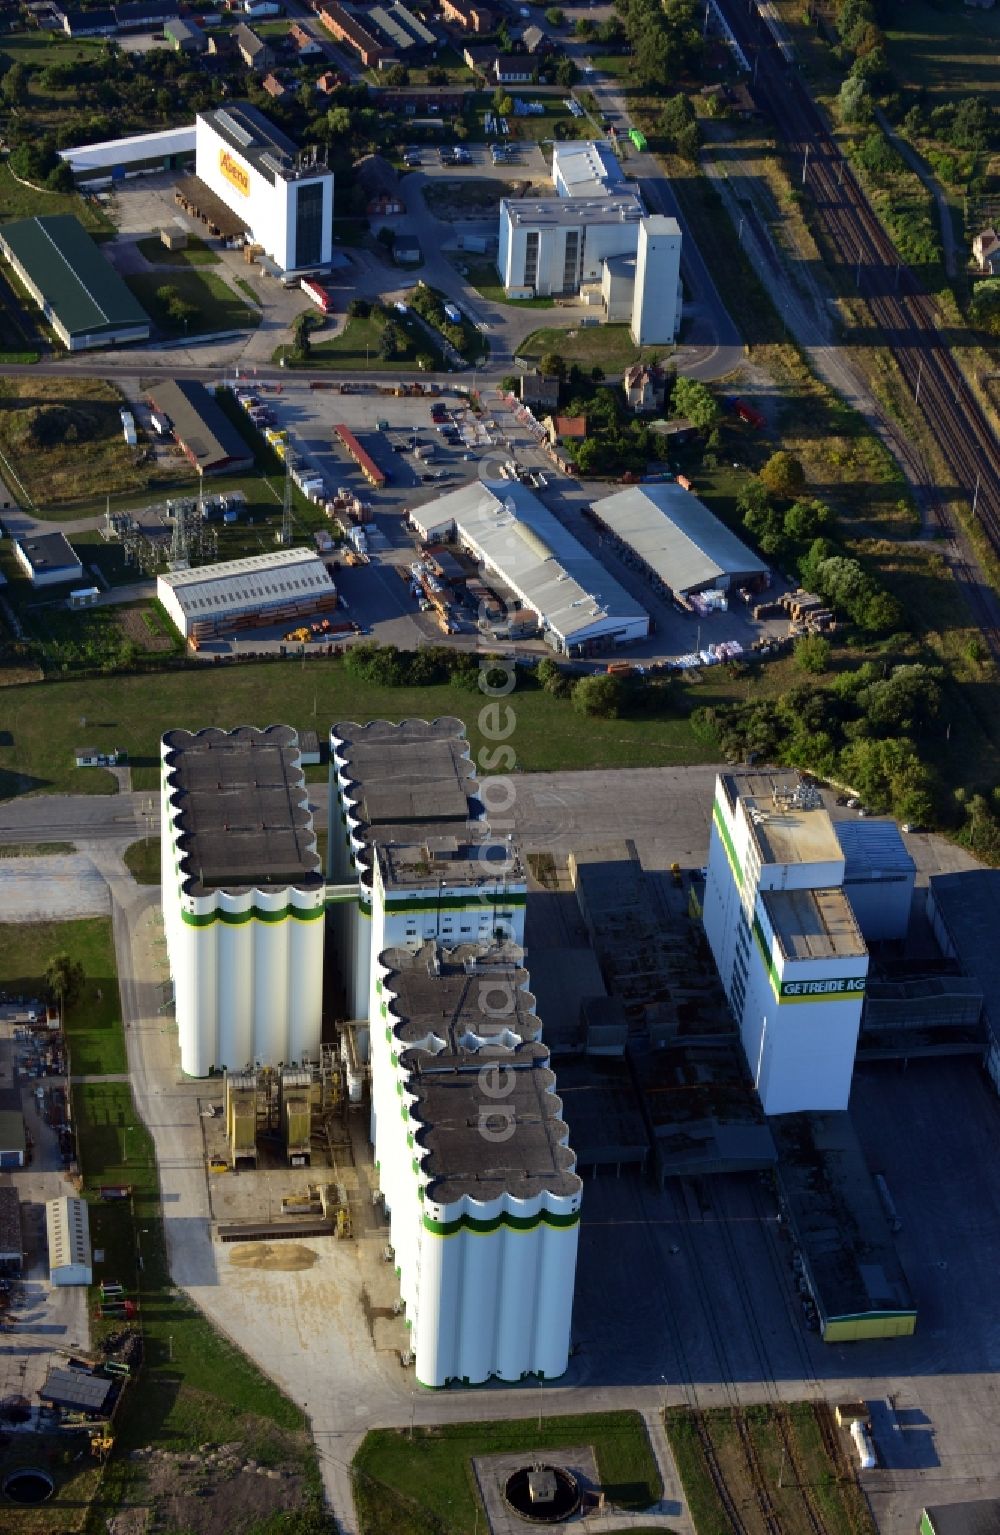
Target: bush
812,653
599,696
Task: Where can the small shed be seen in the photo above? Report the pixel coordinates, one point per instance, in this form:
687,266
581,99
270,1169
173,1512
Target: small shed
11,1242
67,1225
174,239
78,1391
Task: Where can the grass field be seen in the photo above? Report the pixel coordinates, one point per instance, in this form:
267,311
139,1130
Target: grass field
195,253
63,439
949,51
20,202
610,346
133,712
215,304
485,279
357,346
93,1022
424,1484
142,859
804,1482
196,1386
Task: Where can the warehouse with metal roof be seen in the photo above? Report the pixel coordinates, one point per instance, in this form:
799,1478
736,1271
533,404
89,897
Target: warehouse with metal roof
237,594
879,876
80,294
579,606
138,154
676,541
203,432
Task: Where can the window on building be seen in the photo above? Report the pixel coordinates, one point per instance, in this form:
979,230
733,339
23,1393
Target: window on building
570,261
309,224
531,258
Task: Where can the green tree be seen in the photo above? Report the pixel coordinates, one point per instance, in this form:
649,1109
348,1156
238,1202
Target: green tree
389,341
550,676
910,696
555,17
812,653
64,979
301,326
585,30
551,365
359,309
599,696
854,103
783,475
566,73
338,122
14,86
695,401
805,520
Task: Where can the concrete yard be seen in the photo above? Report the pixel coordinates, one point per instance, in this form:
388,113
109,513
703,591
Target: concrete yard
51,888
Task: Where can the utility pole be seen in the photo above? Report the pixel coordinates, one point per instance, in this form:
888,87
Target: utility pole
805,165
975,495
920,376
285,536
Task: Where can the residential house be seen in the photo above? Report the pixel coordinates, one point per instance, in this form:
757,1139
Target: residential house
564,428
274,86
100,22
468,15
538,390
479,58
380,183
255,53
145,15
328,82
986,251
305,44
644,386
186,36
347,29
512,69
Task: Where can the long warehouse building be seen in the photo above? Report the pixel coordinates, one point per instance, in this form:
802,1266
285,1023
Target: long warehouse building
243,898
79,293
484,1207
680,545
579,606
263,589
204,433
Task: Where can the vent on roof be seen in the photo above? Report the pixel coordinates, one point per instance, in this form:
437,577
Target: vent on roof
241,134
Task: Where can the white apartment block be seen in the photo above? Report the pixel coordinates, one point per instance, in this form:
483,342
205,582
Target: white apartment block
785,940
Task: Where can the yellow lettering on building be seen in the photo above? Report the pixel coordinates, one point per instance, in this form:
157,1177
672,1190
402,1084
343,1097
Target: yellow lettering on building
234,172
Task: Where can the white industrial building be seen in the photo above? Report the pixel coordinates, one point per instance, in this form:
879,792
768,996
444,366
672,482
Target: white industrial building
879,877
680,545
140,154
280,194
584,168
48,559
262,589
243,898
481,1186
595,239
579,606
789,951
67,1226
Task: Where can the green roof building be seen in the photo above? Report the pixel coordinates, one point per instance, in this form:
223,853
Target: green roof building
980,1517
80,294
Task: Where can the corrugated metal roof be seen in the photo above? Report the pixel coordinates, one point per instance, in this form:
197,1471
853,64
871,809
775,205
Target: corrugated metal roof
519,538
83,291
587,168
677,536
872,848
76,1388
287,575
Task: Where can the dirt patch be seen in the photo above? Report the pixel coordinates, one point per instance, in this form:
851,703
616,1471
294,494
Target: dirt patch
277,1257
140,626
217,1487
471,199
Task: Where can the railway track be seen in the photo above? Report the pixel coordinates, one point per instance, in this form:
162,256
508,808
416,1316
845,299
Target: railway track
904,312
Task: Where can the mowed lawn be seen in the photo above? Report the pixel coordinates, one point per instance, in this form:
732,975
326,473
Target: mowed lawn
423,1484
133,712
93,1022
609,346
216,307
950,51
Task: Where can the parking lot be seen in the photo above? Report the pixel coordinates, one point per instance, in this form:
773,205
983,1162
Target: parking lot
461,449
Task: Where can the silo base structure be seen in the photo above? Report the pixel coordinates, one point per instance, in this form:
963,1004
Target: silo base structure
243,898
